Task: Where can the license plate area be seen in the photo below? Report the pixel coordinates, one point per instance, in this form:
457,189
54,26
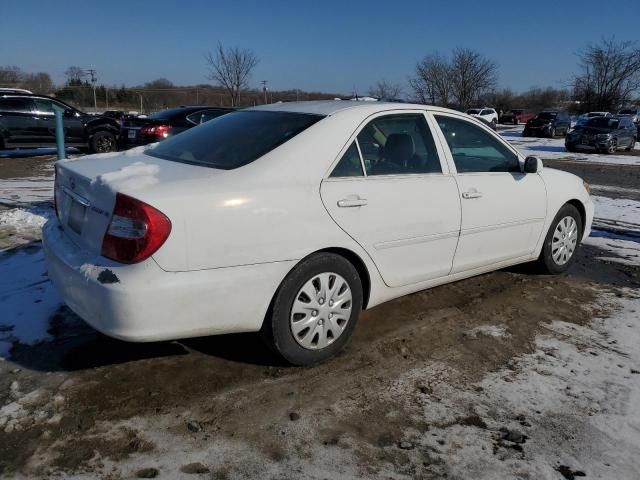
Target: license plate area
131,135
76,212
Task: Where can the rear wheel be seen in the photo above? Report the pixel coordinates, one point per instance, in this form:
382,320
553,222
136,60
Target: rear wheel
102,142
562,240
612,147
552,133
315,310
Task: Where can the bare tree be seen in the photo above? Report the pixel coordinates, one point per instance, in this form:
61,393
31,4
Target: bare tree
74,75
609,74
473,75
384,89
10,75
432,81
231,69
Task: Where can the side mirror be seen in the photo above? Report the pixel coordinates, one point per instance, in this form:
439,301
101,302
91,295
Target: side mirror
69,113
532,165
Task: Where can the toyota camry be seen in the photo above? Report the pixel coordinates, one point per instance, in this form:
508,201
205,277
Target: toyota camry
290,219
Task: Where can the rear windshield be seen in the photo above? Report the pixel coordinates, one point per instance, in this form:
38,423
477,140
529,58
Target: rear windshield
473,111
547,115
234,139
167,114
628,112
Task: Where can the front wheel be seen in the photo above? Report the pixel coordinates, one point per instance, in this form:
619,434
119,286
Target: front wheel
102,142
552,132
315,309
562,240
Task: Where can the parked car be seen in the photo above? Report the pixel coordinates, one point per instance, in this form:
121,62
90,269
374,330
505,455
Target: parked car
489,114
4,90
634,113
28,120
160,125
517,116
585,117
605,134
491,124
548,124
266,219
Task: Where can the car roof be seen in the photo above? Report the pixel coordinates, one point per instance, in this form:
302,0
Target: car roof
331,107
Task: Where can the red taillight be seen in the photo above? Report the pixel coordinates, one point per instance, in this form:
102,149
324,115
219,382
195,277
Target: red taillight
136,231
157,130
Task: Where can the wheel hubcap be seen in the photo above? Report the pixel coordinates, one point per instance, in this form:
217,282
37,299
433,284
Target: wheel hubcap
321,311
565,239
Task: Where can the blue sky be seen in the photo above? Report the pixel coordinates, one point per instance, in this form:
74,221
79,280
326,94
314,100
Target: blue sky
313,45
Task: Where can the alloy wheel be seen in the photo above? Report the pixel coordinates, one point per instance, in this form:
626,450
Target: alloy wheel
321,311
613,146
565,240
105,144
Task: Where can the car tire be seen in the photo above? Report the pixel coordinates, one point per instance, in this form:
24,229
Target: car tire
315,274
515,121
612,147
553,258
570,148
102,142
552,132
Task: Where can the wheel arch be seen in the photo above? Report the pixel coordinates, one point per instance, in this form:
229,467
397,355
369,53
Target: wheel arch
582,211
359,265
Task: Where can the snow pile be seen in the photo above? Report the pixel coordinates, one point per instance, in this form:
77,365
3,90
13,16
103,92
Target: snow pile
23,225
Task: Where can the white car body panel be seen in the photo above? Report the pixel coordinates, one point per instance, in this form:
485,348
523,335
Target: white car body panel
236,234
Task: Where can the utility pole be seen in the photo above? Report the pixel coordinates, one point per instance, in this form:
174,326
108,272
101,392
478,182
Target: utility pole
265,90
94,80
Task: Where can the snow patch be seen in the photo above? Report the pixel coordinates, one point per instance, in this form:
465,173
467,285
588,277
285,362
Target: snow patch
135,176
488,331
27,299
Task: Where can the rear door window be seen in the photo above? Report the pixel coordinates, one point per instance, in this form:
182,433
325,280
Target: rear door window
349,165
398,145
235,139
15,104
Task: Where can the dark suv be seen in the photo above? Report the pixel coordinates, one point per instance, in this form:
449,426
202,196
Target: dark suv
605,134
548,124
29,121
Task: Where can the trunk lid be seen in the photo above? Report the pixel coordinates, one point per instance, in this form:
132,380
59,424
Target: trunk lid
86,188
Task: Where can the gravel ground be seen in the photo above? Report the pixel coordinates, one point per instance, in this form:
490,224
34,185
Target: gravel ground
506,375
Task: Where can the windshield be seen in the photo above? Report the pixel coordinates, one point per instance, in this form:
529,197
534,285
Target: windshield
547,115
235,139
603,122
628,112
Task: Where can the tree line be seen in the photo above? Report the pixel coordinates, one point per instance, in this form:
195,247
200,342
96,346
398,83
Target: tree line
607,78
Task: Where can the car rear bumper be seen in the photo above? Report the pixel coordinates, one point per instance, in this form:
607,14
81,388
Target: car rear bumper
142,302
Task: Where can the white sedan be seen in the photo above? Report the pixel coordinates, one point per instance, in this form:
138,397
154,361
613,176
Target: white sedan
291,218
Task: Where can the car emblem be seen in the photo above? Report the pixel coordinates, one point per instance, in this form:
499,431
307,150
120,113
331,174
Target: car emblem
72,183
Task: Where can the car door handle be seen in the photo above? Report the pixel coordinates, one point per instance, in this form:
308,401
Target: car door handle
352,202
471,194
